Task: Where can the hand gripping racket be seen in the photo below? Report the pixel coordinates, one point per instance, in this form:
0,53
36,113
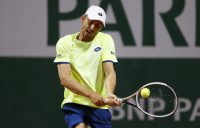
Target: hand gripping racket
162,101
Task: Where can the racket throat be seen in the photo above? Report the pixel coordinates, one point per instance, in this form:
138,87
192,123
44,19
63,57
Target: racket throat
130,104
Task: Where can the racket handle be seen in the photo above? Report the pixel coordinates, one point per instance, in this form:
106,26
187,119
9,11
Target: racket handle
108,101
120,100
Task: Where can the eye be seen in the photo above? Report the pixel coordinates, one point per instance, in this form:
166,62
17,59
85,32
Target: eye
91,22
98,25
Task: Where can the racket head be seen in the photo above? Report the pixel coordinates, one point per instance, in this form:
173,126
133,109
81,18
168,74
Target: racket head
162,101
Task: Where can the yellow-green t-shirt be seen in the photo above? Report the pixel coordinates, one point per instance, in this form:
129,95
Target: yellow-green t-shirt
86,59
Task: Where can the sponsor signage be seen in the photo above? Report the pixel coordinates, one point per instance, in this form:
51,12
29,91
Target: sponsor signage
140,28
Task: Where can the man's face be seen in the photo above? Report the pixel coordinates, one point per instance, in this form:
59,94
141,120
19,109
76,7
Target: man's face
91,27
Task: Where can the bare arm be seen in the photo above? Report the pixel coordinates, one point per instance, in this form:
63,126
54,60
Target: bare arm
110,77
64,72
110,83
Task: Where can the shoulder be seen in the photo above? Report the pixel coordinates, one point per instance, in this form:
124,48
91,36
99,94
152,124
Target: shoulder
66,40
105,39
103,35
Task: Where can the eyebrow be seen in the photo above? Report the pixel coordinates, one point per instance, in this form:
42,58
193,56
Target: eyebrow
98,21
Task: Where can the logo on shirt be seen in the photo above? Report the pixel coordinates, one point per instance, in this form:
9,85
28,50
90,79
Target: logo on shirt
97,49
58,55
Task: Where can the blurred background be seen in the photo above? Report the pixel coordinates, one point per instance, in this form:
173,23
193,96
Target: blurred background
156,40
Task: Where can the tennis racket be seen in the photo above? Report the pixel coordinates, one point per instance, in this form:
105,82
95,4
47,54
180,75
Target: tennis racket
162,101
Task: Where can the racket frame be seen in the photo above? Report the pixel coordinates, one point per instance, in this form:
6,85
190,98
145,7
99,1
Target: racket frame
136,94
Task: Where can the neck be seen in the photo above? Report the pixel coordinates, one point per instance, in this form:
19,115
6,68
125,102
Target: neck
83,37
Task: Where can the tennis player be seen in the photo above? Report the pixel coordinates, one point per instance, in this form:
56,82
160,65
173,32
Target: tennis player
85,67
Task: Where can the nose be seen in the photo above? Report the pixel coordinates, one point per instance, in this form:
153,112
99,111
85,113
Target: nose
92,27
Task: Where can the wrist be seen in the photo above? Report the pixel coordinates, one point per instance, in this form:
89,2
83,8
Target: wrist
110,95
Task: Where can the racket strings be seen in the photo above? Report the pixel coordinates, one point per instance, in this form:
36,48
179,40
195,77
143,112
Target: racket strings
160,102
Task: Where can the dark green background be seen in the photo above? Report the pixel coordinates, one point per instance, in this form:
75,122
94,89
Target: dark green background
30,93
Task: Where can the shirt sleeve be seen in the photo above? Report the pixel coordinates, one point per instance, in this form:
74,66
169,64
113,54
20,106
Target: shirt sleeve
109,54
62,52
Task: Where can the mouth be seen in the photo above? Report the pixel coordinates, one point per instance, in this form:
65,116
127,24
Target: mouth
89,31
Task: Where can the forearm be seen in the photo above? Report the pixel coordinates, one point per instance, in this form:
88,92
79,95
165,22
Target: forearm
75,87
64,72
110,82
110,77
68,82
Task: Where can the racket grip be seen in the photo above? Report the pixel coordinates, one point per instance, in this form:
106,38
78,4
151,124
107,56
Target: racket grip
120,100
108,101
